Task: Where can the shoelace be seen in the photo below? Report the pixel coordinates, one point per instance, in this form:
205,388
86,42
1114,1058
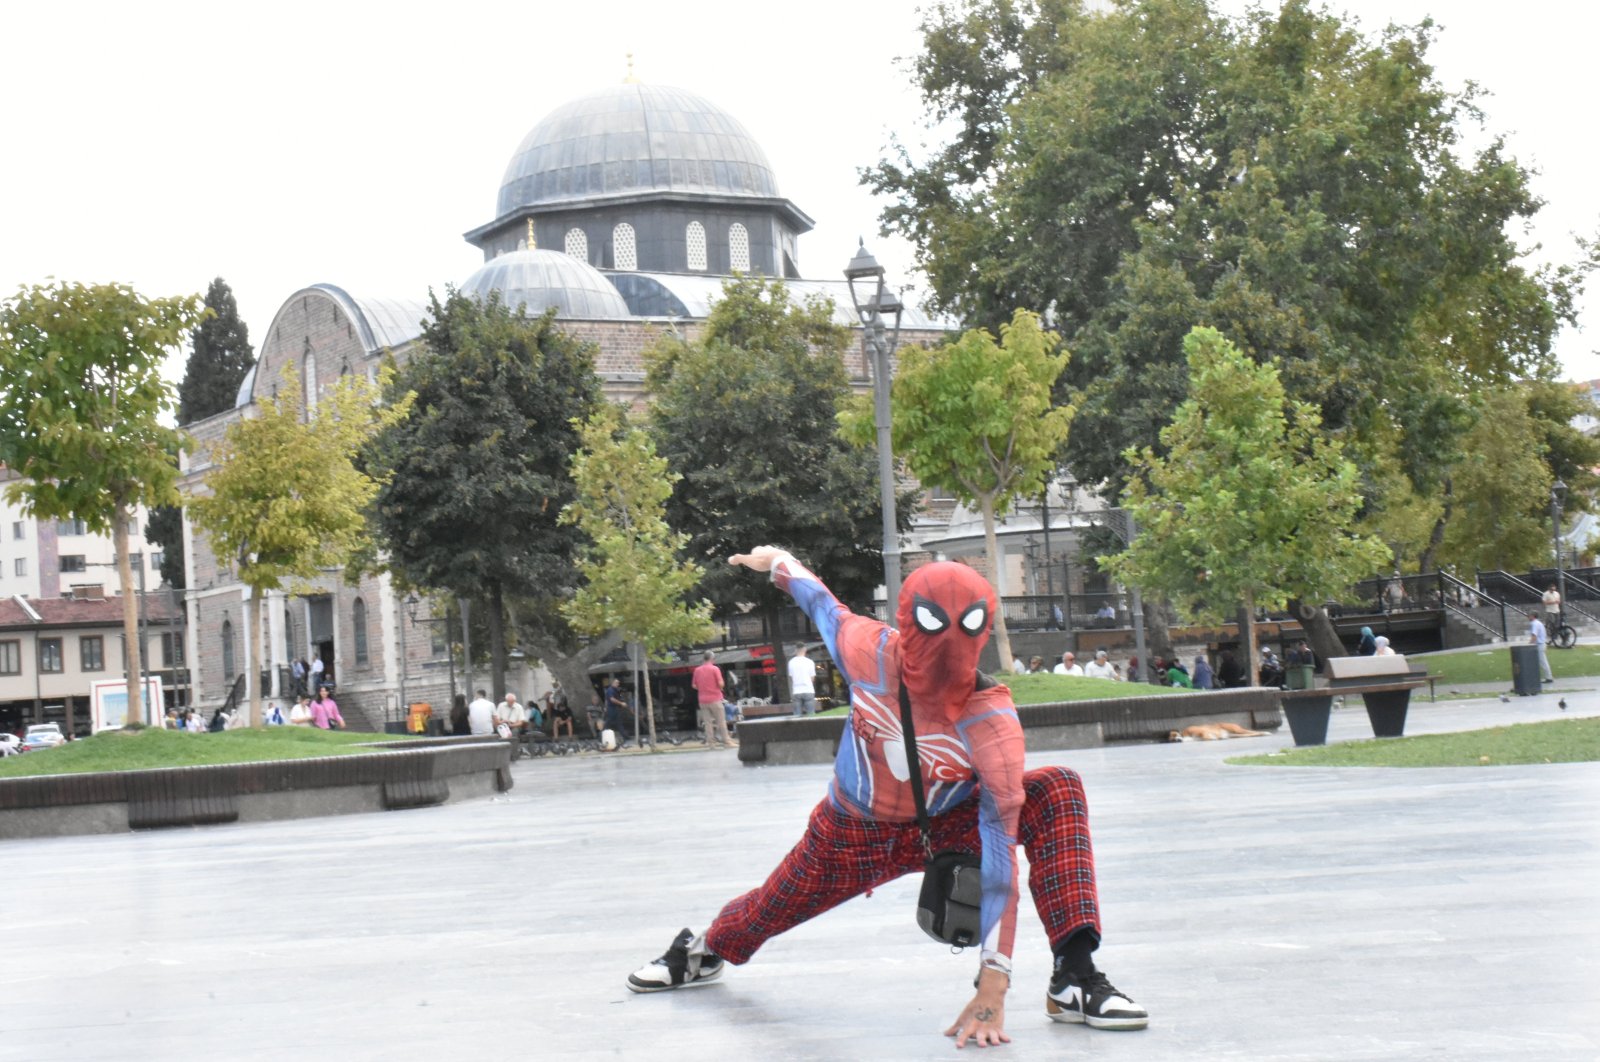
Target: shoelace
1100,985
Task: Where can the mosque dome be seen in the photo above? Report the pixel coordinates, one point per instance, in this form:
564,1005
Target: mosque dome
541,279
635,139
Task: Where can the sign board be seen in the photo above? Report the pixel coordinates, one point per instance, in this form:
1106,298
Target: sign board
108,703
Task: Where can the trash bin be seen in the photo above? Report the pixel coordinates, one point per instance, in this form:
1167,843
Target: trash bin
1300,677
1525,670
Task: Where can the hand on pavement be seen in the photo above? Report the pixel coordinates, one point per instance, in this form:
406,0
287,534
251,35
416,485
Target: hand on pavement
983,1020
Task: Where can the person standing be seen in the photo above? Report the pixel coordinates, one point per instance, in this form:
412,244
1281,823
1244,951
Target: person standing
1538,636
459,725
1552,608
300,714
707,681
324,712
298,670
617,712
480,715
314,672
803,682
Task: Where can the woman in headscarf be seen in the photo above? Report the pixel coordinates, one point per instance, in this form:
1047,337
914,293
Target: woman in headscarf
1201,675
1381,646
1369,644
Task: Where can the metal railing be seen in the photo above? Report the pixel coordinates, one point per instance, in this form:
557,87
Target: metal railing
1473,606
231,705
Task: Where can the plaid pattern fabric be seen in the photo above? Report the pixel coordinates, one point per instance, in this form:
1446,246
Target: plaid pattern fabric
842,856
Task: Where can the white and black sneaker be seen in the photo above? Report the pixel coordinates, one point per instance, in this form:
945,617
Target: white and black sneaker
1092,1000
685,963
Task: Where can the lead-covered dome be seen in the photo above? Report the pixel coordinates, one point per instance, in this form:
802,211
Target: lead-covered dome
632,139
541,279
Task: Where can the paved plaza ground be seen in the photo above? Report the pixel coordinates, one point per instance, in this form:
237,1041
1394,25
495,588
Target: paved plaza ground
1260,914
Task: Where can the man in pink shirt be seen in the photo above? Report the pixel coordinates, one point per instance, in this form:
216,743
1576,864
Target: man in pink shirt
708,685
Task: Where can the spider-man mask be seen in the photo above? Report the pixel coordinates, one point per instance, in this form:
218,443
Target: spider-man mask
944,616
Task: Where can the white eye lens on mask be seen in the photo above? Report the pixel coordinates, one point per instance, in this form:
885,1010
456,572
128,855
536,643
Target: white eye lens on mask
974,619
930,618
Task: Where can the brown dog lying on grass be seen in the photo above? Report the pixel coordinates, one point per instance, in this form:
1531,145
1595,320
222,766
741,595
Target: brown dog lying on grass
1212,732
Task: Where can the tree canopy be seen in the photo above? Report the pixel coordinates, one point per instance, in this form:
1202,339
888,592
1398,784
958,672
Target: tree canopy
1298,185
974,417
81,407
286,497
633,580
219,359
1250,504
477,475
745,414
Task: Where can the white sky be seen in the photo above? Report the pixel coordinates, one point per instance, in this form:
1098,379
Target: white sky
279,145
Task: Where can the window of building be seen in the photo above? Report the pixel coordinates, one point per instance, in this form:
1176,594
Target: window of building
228,668
50,655
438,639
10,658
156,559
73,526
20,566
738,248
171,649
624,255
577,245
91,653
19,530
308,380
358,619
73,563
697,245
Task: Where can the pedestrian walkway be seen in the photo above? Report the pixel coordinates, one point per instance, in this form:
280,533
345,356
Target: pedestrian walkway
1260,913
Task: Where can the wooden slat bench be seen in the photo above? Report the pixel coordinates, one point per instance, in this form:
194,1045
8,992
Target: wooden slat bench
1384,682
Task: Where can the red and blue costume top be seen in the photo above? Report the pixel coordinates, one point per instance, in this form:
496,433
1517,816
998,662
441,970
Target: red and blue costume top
968,740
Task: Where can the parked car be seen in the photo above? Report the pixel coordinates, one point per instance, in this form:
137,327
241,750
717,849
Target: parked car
42,736
10,745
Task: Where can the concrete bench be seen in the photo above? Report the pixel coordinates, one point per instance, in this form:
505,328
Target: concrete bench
1384,682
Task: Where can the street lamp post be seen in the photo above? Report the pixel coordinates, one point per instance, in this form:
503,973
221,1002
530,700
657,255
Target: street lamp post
1558,495
874,303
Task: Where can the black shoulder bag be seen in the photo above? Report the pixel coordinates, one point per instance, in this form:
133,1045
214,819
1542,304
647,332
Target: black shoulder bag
952,881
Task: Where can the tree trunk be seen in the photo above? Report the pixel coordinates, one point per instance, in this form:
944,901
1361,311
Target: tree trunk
780,685
642,675
252,653
1436,539
1247,634
1158,619
573,670
130,623
1319,629
991,548
497,641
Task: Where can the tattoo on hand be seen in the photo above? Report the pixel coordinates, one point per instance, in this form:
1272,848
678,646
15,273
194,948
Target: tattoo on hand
985,1014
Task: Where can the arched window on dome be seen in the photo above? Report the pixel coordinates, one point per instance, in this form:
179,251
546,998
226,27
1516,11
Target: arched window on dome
696,237
738,248
308,380
358,620
624,255
228,668
577,245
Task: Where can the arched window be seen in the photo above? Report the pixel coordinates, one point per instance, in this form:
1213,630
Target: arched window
697,245
308,380
577,245
229,670
358,619
738,248
624,256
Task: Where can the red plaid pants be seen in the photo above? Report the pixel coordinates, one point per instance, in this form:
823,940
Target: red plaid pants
842,856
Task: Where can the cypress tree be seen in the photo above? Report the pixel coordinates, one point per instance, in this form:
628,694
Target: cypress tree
219,361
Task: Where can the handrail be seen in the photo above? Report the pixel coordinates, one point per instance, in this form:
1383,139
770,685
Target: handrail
1448,581
1538,595
231,705
1565,604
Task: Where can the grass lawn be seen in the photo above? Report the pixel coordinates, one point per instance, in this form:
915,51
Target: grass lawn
1494,665
1559,741
1048,689
133,750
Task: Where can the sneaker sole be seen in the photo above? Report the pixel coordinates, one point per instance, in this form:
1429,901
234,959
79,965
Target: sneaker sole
1067,1016
651,986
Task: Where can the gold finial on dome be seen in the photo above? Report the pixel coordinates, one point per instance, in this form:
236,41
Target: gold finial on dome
630,79
533,244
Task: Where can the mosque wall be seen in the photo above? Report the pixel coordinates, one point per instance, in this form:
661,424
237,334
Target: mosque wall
660,235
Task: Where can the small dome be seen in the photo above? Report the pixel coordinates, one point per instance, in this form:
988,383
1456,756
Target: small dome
635,138
541,279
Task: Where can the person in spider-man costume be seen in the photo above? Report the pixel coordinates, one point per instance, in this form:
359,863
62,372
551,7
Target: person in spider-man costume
979,797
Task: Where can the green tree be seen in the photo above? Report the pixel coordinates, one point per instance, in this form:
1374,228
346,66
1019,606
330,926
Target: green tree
1250,504
745,415
164,529
219,359
286,497
475,479
974,417
633,581
81,404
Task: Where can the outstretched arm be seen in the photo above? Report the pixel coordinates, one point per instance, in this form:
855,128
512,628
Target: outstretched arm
815,599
